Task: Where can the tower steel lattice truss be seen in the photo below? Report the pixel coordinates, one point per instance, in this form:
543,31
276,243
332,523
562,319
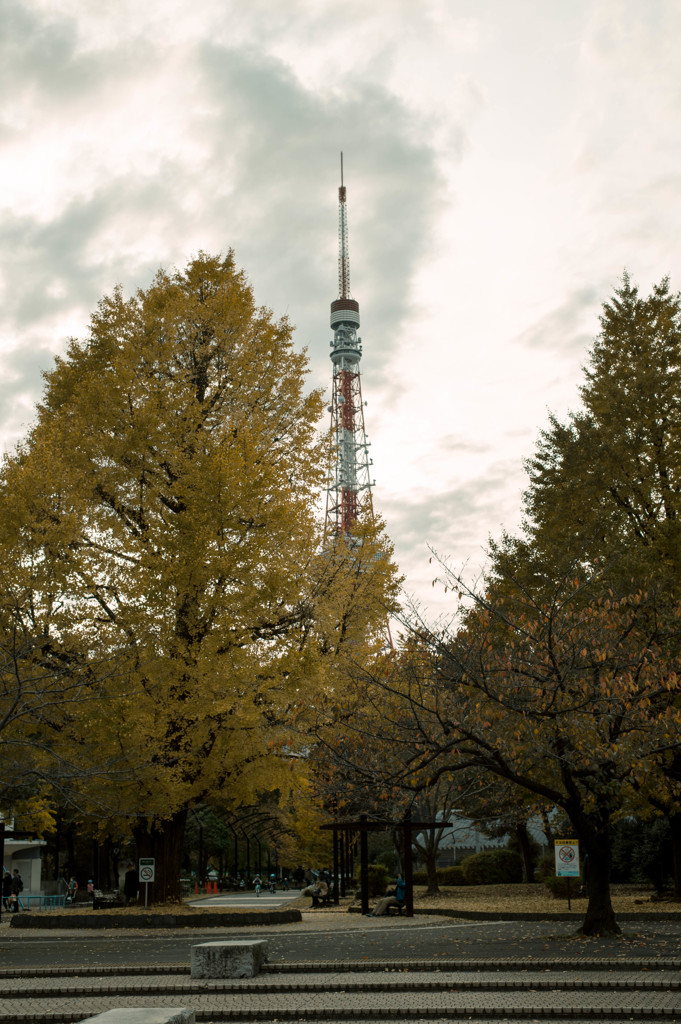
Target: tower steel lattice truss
349,490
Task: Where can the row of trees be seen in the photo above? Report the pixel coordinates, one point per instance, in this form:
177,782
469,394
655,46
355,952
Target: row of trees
166,610
172,631
559,677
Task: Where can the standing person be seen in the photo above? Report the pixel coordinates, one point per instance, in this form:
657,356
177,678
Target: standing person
72,890
131,884
17,887
6,889
91,889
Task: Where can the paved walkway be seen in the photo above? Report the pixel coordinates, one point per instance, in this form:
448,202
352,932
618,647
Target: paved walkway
323,936
247,900
362,996
335,966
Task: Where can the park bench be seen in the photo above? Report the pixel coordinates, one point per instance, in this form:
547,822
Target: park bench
103,900
323,901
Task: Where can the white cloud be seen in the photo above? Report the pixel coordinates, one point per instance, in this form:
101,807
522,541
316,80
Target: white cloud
504,163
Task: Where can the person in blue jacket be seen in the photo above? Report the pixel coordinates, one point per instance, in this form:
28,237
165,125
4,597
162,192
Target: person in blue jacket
394,899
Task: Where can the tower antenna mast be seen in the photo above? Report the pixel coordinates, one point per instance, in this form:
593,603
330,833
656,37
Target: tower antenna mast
349,489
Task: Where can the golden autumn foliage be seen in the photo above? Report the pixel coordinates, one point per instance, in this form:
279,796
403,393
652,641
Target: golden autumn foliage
165,501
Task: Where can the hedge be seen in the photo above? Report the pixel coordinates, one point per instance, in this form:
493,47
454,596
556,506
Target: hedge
493,867
558,887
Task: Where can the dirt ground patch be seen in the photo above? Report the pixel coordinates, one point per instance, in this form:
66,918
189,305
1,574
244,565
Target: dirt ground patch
495,899
535,898
523,899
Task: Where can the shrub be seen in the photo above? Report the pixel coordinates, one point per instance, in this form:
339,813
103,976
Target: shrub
558,887
546,868
492,867
452,876
445,876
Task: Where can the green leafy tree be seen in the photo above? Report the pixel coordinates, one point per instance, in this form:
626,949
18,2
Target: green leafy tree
606,483
560,675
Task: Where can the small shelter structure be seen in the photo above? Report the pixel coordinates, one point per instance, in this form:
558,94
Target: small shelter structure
342,839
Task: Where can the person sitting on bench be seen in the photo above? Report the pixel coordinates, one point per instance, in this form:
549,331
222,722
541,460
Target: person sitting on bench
320,893
394,899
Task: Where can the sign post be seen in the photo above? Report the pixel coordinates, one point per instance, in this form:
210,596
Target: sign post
147,873
567,861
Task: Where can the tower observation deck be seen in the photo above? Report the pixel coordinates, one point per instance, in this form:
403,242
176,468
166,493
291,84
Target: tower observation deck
349,488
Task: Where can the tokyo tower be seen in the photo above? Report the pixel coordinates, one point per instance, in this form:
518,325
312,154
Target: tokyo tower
349,490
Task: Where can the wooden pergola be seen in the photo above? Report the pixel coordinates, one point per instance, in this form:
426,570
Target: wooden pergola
341,852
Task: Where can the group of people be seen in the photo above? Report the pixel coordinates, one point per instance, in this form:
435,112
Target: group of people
319,885
258,883
12,886
131,885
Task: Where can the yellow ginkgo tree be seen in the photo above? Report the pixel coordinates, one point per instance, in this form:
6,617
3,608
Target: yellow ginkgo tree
170,487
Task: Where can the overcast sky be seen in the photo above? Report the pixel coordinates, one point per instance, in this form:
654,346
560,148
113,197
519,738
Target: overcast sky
505,161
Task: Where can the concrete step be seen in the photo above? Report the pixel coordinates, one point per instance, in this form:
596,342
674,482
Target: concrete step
386,981
420,1009
358,993
470,964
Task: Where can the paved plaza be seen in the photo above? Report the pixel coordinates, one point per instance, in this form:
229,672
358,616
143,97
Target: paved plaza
339,966
247,900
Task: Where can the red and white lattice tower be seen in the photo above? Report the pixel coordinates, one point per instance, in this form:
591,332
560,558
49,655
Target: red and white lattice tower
349,490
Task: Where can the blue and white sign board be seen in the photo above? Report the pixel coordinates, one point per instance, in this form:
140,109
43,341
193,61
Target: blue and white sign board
567,858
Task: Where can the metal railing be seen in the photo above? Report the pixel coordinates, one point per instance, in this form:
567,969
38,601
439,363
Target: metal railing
40,902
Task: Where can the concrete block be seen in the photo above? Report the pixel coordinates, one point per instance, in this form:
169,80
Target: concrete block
241,958
144,1015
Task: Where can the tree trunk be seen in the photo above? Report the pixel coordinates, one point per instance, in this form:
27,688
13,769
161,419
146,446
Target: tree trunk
163,841
523,837
600,917
430,857
546,829
675,830
57,844
114,867
70,852
397,837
